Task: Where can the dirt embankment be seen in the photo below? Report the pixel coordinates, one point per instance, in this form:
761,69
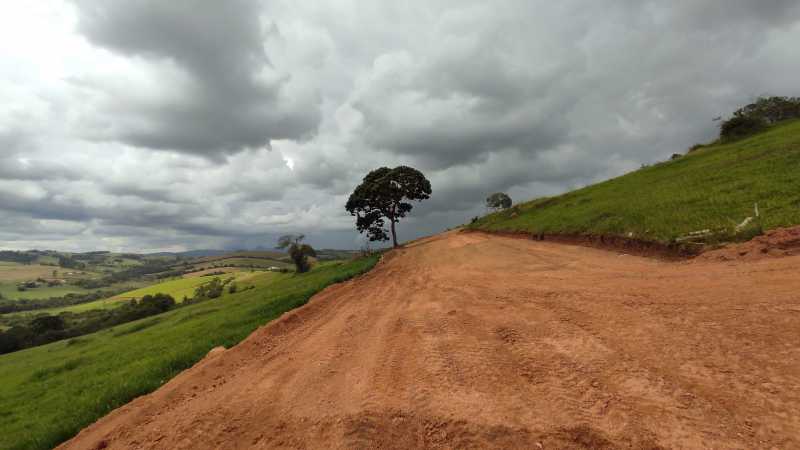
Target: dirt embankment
776,243
474,341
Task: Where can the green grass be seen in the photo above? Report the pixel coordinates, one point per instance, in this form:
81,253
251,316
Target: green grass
713,188
9,291
48,393
246,262
176,288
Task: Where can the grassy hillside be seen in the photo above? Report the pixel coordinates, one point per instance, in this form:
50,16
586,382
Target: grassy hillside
48,393
713,188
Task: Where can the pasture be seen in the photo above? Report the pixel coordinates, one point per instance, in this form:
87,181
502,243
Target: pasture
714,188
9,291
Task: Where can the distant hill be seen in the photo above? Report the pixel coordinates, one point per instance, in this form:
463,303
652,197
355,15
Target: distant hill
706,196
192,253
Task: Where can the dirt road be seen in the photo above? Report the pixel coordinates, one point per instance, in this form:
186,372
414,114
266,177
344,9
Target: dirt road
472,341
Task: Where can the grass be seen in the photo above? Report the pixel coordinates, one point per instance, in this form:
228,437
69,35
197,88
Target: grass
48,393
9,291
246,262
714,188
176,288
10,272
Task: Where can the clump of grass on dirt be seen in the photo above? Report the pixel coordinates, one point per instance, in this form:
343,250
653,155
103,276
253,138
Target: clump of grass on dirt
712,188
48,393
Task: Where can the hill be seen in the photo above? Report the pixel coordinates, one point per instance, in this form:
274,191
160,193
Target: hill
696,199
48,393
467,340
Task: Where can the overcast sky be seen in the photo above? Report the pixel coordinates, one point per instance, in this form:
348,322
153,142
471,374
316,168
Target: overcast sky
169,125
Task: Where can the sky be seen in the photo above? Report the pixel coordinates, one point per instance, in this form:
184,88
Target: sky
158,125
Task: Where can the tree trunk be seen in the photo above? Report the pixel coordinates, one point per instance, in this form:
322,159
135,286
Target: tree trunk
393,220
394,233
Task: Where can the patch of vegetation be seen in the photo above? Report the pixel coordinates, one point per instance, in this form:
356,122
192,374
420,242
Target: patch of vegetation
113,370
45,328
180,288
759,115
713,188
43,374
298,251
14,306
139,326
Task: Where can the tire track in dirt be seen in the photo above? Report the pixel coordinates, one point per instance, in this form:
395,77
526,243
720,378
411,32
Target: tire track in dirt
475,341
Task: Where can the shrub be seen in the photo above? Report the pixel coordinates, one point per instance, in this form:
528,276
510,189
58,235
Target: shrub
771,109
498,201
741,126
159,302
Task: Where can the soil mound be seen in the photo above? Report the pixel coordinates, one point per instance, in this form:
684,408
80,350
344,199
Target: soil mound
775,243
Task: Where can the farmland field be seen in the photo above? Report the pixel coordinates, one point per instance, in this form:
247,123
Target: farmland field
23,272
9,291
205,272
176,288
245,262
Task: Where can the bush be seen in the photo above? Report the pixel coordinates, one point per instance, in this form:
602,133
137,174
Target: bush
741,126
758,115
771,109
498,201
160,302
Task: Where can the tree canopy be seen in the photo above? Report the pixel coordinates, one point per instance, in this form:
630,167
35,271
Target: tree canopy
498,200
298,251
757,116
383,196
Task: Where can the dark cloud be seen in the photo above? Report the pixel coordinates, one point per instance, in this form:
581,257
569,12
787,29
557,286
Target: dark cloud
235,97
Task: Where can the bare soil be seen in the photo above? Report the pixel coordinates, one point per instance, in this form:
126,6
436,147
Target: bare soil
467,340
775,243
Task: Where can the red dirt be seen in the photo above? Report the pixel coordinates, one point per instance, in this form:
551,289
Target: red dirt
775,243
473,341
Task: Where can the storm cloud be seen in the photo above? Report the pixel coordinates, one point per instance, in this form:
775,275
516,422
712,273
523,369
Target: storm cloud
155,125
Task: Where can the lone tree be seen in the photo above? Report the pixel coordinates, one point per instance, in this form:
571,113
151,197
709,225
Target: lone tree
382,196
498,200
298,251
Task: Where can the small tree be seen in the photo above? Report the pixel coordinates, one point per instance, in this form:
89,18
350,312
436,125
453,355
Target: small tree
298,251
771,109
741,126
381,196
759,115
498,200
